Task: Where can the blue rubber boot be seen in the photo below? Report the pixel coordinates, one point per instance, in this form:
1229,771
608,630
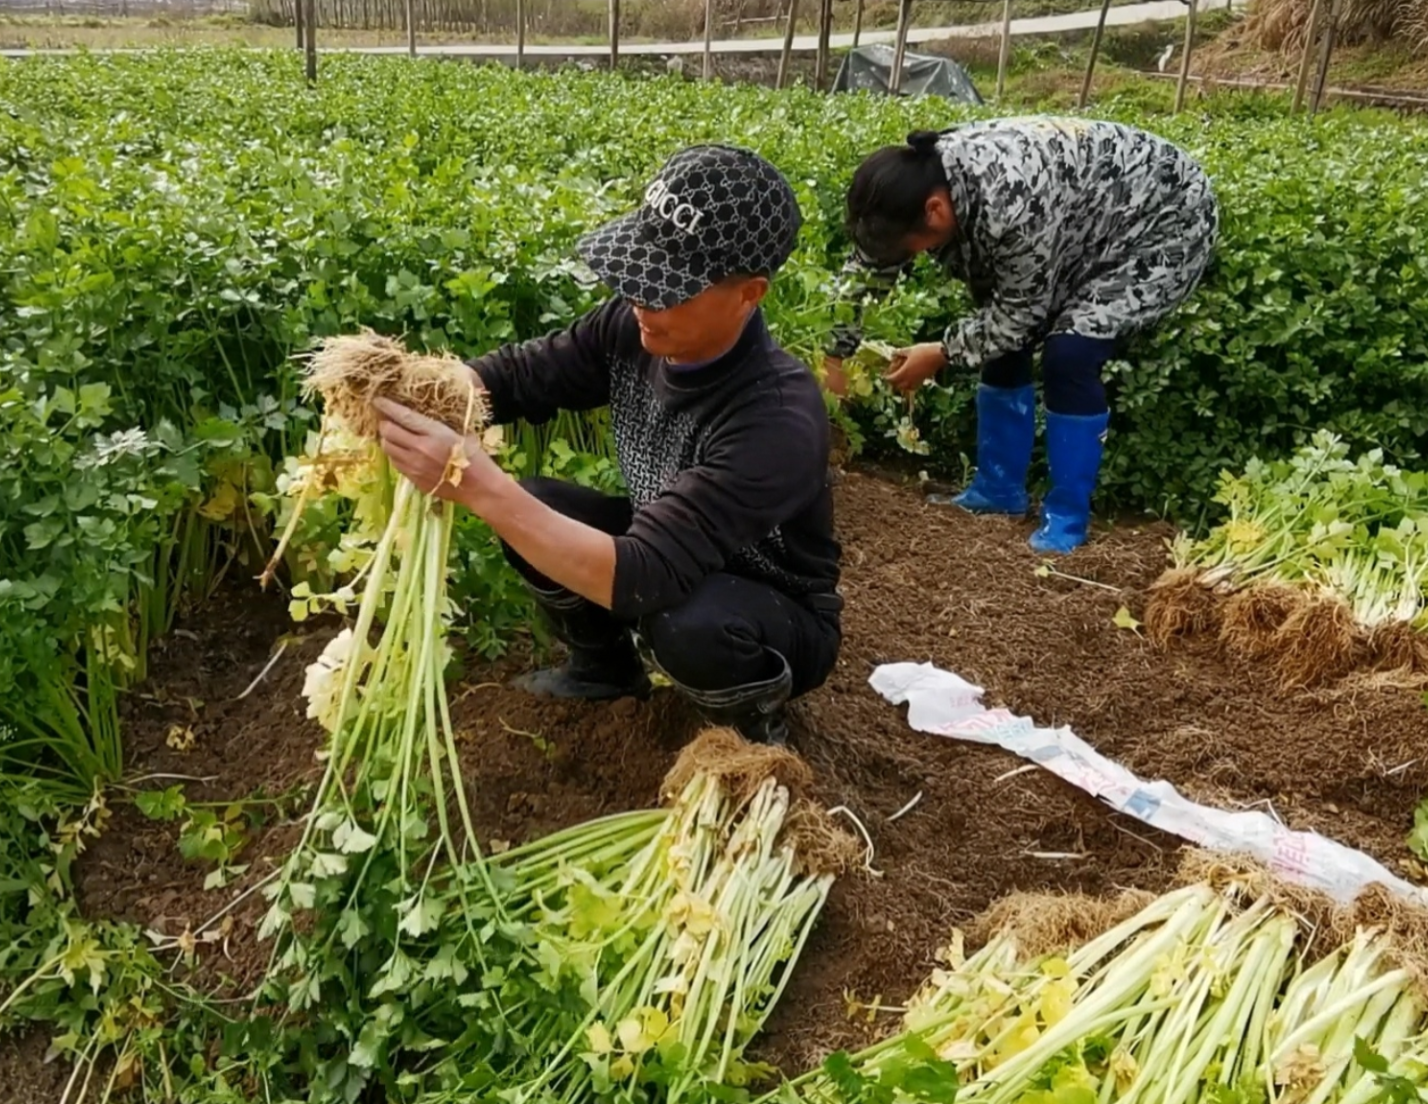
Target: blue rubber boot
1006,427
1074,444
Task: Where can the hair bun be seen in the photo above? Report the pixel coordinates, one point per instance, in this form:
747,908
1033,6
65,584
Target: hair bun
924,142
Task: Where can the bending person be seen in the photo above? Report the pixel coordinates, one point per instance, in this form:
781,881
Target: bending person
722,557
1070,234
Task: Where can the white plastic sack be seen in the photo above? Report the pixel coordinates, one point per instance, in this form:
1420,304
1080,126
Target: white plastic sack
942,704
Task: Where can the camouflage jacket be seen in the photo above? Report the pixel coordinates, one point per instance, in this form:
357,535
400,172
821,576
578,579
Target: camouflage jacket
1063,225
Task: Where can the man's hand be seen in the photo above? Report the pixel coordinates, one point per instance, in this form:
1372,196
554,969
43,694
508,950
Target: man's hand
833,376
911,368
435,457
572,555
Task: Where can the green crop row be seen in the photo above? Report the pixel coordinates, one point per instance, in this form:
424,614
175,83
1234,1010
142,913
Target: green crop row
180,224
174,227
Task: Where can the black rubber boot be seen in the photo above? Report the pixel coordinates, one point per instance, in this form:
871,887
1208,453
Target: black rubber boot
603,664
755,711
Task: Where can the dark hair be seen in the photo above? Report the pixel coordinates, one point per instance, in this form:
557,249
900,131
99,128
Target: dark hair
887,200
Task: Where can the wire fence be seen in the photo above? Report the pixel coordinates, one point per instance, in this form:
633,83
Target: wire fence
173,9
658,20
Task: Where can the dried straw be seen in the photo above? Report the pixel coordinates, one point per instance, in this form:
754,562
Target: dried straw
1179,604
1401,650
1318,643
820,845
1051,923
1252,617
1311,639
1325,923
1283,25
743,767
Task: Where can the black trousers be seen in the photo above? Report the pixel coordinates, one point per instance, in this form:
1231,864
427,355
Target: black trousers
720,639
1070,369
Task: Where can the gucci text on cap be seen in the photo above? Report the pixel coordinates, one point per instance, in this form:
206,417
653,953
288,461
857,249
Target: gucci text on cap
712,212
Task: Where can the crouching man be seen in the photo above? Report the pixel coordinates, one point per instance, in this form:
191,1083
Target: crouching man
722,558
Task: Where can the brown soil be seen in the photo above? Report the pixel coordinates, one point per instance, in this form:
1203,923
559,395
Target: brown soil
923,583
25,1076
242,747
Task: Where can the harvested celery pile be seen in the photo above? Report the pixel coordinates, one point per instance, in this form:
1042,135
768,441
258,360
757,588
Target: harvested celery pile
625,959
1320,566
658,943
1218,992
631,955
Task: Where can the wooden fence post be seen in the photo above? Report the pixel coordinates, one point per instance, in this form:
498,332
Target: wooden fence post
1184,80
787,55
1311,39
310,21
297,24
825,31
614,35
411,30
1330,32
858,24
1085,97
904,24
520,34
1004,55
708,39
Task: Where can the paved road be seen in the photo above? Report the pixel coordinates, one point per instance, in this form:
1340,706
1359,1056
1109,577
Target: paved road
1128,14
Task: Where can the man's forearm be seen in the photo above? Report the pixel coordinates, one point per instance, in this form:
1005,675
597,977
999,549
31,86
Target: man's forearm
567,552
566,370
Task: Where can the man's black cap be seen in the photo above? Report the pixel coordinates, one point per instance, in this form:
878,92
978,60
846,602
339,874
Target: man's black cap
712,212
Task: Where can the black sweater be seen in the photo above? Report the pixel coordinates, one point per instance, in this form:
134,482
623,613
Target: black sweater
726,464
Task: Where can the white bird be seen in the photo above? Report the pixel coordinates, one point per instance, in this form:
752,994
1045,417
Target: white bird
675,64
1164,59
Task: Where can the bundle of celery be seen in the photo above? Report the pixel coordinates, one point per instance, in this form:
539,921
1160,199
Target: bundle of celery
1321,563
652,965
392,758
1204,994
640,950
865,371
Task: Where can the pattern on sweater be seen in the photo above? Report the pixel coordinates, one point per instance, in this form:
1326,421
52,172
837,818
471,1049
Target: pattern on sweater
654,444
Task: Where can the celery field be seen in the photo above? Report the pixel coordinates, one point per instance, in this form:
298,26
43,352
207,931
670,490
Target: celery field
275,830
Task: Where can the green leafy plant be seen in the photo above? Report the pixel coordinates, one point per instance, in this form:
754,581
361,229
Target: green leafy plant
1418,838
208,835
175,228
456,195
